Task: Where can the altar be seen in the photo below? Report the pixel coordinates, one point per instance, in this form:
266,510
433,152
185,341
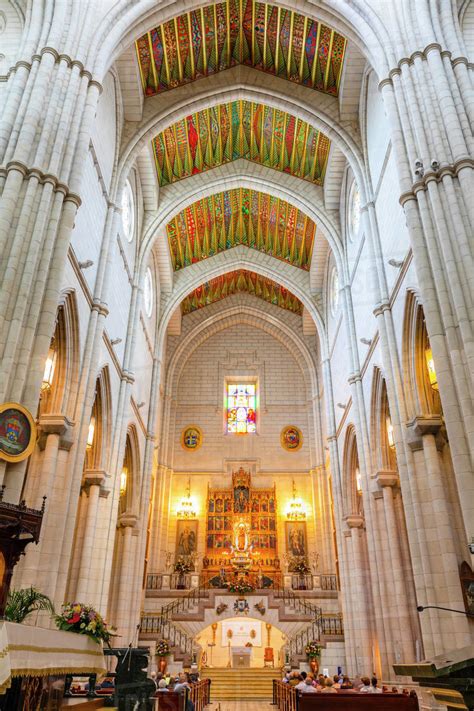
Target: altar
241,657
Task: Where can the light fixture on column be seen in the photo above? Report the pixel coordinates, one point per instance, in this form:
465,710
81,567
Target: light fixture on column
295,510
123,481
90,433
186,509
49,368
431,368
390,439
358,478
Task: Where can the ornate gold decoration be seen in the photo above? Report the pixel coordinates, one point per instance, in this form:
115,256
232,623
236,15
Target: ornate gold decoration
191,438
291,438
17,432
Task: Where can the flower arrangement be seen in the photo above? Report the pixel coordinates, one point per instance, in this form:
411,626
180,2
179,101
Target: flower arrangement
313,650
181,566
83,619
260,607
162,648
300,567
241,588
222,607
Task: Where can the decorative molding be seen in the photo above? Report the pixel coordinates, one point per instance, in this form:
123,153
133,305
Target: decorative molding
83,72
42,178
139,418
453,170
423,55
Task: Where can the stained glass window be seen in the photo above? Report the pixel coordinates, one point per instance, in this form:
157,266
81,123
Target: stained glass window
241,408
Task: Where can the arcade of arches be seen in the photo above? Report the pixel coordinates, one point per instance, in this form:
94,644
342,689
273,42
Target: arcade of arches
237,298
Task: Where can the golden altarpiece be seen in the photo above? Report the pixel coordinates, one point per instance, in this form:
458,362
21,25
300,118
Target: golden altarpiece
241,534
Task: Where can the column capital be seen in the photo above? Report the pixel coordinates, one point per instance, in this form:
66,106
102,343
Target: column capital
94,477
354,521
57,424
127,520
387,477
420,426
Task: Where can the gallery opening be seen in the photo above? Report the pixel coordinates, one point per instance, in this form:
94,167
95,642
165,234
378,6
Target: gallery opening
236,355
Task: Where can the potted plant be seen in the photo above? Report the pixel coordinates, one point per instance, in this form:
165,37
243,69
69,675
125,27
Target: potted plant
301,568
21,603
241,588
162,651
181,567
313,652
83,619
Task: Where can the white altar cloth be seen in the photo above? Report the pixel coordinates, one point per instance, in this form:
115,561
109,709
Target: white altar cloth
35,651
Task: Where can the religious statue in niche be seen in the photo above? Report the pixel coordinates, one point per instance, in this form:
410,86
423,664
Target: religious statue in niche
186,539
17,432
241,492
291,438
191,437
296,538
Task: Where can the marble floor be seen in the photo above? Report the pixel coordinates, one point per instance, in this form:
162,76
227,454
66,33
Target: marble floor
240,706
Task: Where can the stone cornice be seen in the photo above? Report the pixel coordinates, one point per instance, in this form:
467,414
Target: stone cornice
354,521
387,477
83,72
430,176
423,55
42,178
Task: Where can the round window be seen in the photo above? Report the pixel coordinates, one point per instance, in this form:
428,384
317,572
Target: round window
128,212
334,291
354,211
148,292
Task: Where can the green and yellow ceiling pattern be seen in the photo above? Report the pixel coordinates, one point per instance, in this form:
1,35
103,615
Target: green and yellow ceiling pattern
240,129
241,281
219,36
241,217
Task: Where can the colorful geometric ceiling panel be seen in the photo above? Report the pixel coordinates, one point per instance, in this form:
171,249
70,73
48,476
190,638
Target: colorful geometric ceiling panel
217,37
241,216
240,129
238,282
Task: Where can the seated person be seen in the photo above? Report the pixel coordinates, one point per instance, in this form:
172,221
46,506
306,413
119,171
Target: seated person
346,684
329,687
366,687
308,687
162,687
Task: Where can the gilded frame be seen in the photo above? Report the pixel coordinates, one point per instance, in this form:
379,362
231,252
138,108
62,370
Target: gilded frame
33,433
183,436
283,438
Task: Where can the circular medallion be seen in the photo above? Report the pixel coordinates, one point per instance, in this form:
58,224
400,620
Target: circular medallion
191,437
291,438
17,432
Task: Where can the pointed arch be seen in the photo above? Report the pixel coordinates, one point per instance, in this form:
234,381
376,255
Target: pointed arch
99,436
352,499
421,395
131,467
383,448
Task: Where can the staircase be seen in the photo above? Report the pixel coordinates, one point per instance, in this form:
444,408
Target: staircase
241,684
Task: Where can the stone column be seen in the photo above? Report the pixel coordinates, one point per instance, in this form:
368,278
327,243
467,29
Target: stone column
125,575
94,480
361,624
398,602
436,528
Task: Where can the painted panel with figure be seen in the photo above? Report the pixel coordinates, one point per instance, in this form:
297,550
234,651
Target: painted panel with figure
186,538
296,538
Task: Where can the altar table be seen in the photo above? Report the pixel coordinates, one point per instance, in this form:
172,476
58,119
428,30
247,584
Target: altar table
241,657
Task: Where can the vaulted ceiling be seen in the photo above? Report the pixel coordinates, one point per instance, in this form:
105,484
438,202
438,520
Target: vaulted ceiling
240,129
241,281
241,216
216,37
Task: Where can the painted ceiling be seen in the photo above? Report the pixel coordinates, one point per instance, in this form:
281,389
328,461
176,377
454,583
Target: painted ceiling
241,216
240,129
216,37
241,281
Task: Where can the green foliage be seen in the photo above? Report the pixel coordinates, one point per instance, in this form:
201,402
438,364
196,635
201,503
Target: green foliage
21,603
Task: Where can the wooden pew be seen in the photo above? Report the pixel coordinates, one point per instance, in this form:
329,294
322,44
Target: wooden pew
169,701
347,701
